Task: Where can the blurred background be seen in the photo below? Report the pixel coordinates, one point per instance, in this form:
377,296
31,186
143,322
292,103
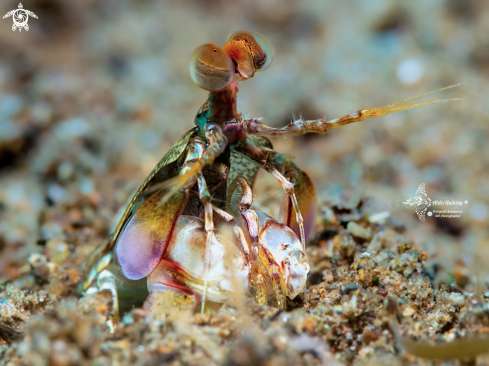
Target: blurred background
96,92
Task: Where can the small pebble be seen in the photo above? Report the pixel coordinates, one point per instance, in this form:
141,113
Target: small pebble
357,231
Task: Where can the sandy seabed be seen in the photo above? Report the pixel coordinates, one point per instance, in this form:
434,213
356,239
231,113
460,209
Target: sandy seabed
95,93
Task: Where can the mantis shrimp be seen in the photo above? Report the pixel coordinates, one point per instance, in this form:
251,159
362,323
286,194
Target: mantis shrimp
171,236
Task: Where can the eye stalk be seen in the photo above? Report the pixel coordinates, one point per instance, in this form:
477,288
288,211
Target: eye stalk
211,68
250,51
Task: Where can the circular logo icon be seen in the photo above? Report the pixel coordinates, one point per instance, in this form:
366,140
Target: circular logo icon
20,18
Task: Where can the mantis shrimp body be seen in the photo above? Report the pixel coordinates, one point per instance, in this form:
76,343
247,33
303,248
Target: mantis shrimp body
190,226
280,257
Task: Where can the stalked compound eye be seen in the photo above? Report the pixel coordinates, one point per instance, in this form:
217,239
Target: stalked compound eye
211,68
250,51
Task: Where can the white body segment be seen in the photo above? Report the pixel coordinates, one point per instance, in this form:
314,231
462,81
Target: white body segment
286,248
183,267
186,253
